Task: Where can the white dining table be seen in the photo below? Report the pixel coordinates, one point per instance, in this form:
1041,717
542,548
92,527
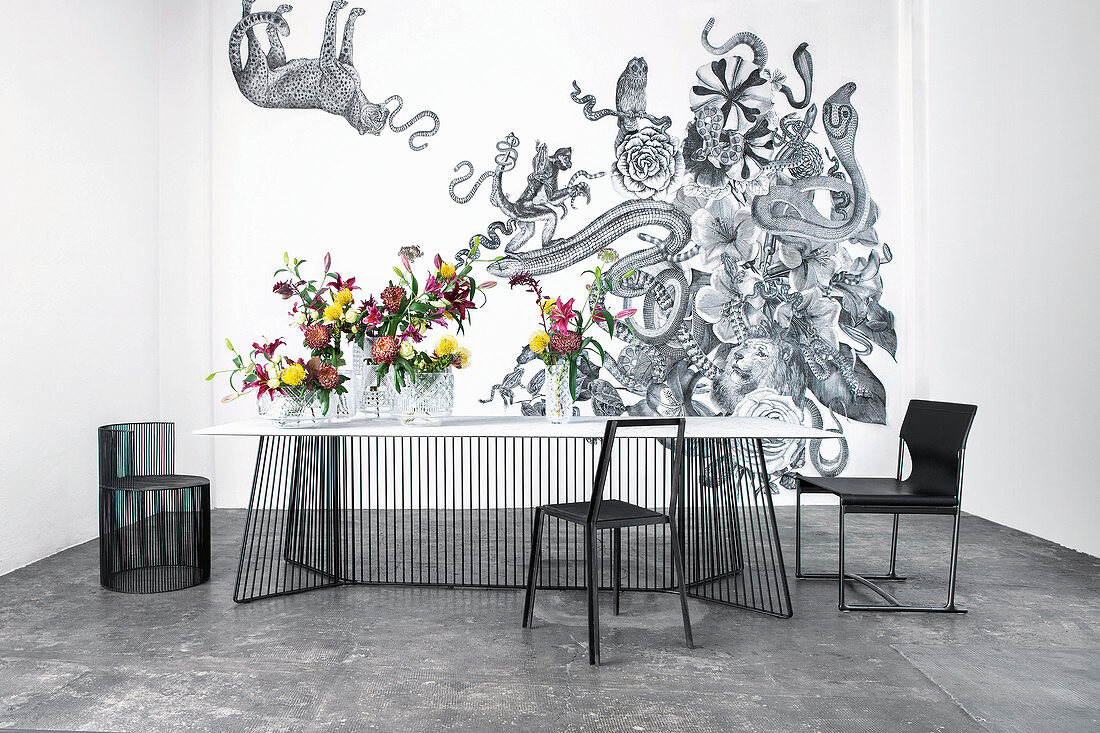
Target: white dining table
375,501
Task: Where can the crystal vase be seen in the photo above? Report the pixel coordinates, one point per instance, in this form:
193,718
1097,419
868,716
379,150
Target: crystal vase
425,399
555,390
298,406
375,398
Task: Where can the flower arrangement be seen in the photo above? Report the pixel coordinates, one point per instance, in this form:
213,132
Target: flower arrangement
564,335
392,329
325,312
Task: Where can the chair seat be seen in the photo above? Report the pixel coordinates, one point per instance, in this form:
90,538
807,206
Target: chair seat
612,513
877,492
153,483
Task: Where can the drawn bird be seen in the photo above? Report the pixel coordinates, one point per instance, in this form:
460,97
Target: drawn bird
630,94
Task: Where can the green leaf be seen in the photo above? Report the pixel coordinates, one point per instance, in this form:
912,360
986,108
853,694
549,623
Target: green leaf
211,376
573,378
400,274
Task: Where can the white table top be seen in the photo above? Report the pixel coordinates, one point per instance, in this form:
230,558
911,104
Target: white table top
524,427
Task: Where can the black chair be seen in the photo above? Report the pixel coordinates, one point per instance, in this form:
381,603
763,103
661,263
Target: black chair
154,524
935,434
597,515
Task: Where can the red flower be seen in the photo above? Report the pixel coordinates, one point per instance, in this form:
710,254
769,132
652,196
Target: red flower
317,336
285,288
459,298
392,297
339,283
268,350
262,378
385,349
562,314
372,316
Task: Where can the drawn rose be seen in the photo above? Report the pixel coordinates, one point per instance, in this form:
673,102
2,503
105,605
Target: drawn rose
779,455
648,164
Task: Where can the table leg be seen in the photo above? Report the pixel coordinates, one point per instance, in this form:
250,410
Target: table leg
736,556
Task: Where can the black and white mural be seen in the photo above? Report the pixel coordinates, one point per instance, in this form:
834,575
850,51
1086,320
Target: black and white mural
329,82
745,240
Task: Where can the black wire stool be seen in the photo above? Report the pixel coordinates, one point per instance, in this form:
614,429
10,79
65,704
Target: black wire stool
154,525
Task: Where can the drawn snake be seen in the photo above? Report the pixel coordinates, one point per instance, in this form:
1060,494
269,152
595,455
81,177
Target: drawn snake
803,62
789,210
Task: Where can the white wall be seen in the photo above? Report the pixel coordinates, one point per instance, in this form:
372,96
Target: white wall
78,229
1011,261
304,181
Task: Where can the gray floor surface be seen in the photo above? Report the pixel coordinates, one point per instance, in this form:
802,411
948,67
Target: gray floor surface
74,656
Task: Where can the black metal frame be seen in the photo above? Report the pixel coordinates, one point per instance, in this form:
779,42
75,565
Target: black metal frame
154,525
450,511
842,575
593,523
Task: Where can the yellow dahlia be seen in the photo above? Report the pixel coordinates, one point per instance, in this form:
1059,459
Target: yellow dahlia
343,298
446,346
294,375
333,313
463,355
539,340
447,270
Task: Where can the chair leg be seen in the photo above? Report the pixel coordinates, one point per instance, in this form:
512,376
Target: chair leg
798,529
678,565
894,548
840,562
892,603
891,575
533,568
592,581
954,565
617,566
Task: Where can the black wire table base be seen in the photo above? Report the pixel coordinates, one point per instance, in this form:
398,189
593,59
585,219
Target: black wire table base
456,512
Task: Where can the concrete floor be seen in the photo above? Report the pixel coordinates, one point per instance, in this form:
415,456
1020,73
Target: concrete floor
1027,657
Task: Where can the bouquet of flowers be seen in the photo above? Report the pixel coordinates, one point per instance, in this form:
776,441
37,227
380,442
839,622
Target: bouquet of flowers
564,337
325,312
392,328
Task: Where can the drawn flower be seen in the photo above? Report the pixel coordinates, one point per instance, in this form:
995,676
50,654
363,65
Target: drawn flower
814,313
737,85
811,262
721,228
707,177
648,164
858,282
673,397
640,363
722,302
759,150
766,402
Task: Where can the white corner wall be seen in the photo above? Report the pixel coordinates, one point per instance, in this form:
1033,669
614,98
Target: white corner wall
1011,263
78,232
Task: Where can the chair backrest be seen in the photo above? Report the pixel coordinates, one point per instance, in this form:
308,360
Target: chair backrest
127,450
611,430
935,434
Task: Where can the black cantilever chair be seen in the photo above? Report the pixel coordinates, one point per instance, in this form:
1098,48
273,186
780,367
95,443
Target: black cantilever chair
935,434
598,514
